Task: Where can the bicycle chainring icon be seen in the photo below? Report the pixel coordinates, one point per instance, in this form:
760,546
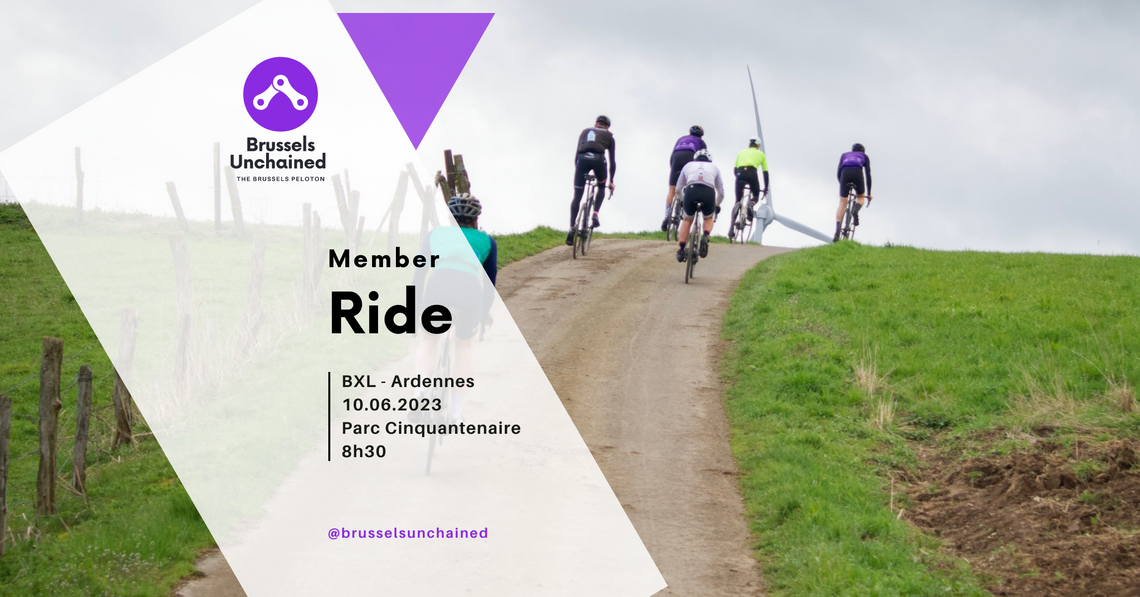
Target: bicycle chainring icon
283,77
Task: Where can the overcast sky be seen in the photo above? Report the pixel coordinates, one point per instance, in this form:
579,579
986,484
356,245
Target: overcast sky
990,126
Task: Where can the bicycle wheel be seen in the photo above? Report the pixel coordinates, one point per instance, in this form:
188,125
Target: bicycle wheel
734,223
588,220
442,369
578,230
674,229
692,247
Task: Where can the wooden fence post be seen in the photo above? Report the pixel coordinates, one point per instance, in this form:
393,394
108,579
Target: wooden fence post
318,250
217,188
5,431
449,170
78,190
462,182
307,251
120,395
183,352
170,190
235,201
359,234
427,196
256,273
50,381
342,208
182,273
82,422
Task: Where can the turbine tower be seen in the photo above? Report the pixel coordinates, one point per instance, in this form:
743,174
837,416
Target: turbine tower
765,214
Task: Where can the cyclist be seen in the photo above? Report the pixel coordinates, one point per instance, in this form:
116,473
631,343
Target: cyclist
456,283
683,151
593,144
854,165
747,161
701,184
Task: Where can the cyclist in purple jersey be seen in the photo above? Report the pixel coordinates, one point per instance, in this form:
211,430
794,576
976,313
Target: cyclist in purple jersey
683,151
854,169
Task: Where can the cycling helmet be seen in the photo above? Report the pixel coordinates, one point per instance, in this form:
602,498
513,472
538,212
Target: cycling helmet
696,131
703,156
603,120
857,147
753,143
464,208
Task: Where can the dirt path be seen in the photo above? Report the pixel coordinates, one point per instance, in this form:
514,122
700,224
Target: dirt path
631,350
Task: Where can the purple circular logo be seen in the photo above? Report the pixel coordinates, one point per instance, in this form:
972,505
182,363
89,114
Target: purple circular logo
280,94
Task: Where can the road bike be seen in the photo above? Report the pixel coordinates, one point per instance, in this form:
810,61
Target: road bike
847,231
443,395
674,224
696,235
583,230
740,230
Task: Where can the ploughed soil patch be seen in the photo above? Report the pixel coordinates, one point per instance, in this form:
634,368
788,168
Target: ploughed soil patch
1049,522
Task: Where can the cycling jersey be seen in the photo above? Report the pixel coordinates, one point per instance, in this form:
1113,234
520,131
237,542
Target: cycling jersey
702,173
850,163
594,142
691,143
752,157
455,282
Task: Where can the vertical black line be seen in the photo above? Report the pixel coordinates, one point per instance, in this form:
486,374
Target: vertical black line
329,428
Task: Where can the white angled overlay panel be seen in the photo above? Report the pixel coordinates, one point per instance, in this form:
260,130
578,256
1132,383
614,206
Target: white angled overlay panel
298,443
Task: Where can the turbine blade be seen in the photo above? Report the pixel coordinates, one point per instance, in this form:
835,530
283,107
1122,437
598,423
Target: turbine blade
756,108
798,227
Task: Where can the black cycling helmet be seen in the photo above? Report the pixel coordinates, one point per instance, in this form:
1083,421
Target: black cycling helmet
753,143
603,120
696,131
703,155
858,147
464,208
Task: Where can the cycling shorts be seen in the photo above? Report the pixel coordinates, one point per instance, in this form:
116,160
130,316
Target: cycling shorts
461,293
851,176
702,194
589,162
676,162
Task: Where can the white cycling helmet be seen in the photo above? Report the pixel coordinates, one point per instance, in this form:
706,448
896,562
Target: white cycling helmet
703,155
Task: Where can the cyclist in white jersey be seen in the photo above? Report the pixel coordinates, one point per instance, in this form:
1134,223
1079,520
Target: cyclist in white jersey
702,185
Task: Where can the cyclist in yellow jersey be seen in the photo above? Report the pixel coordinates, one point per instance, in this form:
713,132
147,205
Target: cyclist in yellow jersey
747,163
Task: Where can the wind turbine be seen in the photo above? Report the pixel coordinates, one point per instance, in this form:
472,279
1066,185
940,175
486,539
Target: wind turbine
765,214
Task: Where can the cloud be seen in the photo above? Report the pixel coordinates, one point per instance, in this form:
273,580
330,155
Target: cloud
990,126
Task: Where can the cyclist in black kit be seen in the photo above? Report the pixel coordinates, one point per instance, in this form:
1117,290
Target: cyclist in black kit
593,144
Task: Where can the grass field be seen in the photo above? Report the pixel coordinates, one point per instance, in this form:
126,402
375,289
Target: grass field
137,532
849,363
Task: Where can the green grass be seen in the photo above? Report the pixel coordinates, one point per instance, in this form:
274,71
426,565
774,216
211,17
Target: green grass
138,532
513,247
955,346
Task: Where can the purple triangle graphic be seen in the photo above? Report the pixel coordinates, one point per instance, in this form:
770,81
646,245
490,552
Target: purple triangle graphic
416,58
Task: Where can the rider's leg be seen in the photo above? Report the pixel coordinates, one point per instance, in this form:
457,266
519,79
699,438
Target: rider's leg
683,232
855,210
599,195
839,217
426,359
669,197
579,188
463,368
